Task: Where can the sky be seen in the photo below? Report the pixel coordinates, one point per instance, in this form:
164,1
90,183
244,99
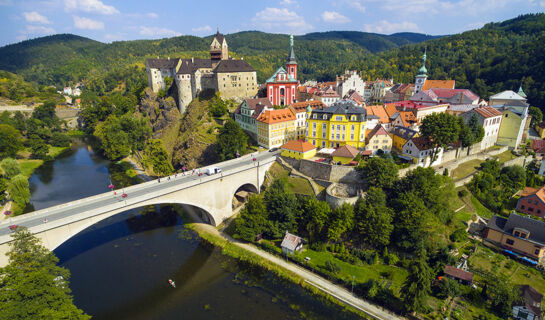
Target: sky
113,20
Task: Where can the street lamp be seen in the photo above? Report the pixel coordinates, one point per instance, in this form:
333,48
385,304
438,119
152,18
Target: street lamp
353,284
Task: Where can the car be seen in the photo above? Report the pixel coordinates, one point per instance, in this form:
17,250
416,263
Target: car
212,170
273,149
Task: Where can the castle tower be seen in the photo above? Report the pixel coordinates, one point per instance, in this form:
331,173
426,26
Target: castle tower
291,64
421,77
218,48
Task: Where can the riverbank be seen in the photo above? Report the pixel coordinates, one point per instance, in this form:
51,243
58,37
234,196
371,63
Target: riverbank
327,291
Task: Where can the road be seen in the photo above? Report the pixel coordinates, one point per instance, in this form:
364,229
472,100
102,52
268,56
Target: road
107,199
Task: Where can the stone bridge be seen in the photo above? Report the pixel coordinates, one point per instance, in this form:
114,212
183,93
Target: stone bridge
213,194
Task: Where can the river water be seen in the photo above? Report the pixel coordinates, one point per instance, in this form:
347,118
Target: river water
120,267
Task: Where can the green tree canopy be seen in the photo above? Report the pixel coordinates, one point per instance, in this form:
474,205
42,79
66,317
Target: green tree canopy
378,172
156,157
11,167
231,140
19,190
374,219
10,141
417,285
441,129
281,206
33,286
537,115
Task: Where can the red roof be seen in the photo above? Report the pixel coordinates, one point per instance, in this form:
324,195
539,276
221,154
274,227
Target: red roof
409,104
540,193
298,146
275,116
442,84
487,112
448,93
458,273
538,146
301,106
346,151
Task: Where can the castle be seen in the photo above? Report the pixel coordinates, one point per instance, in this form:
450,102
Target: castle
234,79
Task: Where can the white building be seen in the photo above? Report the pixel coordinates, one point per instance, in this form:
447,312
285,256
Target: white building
490,119
328,97
506,97
421,150
301,110
350,80
247,112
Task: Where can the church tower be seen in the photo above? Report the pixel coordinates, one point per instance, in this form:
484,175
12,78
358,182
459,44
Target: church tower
291,64
421,77
218,48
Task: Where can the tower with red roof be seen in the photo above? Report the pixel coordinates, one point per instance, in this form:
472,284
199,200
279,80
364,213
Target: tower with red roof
282,85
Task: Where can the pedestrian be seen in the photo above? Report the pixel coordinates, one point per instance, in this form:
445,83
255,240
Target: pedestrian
175,175
159,180
45,220
168,178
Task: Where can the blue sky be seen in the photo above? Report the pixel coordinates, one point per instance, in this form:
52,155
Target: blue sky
111,20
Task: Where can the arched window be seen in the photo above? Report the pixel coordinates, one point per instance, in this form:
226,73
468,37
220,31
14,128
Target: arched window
281,91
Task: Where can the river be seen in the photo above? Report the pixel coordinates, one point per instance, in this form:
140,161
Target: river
120,267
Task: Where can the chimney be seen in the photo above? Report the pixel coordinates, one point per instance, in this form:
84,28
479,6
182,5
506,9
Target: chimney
192,60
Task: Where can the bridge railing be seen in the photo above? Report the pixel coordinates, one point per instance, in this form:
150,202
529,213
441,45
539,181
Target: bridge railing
115,206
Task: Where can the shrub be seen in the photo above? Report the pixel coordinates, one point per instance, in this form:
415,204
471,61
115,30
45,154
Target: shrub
318,246
332,267
269,246
366,256
59,139
462,193
347,257
391,259
458,235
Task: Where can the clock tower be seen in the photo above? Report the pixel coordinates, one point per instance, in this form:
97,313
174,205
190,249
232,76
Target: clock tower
421,77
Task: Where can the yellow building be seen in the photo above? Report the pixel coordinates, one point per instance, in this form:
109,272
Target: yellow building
540,128
343,123
345,154
298,149
275,128
378,139
400,135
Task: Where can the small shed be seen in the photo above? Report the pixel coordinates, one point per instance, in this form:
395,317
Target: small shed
298,149
291,243
459,274
531,306
345,154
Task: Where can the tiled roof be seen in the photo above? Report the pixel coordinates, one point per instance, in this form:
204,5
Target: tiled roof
507,95
528,191
256,104
532,299
298,146
407,118
459,273
390,109
232,65
346,151
540,193
538,146
422,143
301,106
276,116
461,107
403,132
377,130
487,112
347,107
535,227
220,37
162,63
378,111
441,84
448,93
328,93
189,66
291,241
289,78
354,95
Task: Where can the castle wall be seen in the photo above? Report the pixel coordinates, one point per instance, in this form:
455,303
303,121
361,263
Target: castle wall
237,85
185,91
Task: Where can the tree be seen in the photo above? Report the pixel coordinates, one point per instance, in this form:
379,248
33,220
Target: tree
252,220
11,167
513,177
314,217
417,285
501,293
10,141
410,215
46,113
441,129
59,139
374,218
448,288
281,206
38,147
114,141
18,190
33,286
378,172
231,140
218,107
537,115
342,222
156,157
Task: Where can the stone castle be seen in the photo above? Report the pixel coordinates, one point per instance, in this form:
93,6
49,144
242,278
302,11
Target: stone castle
234,79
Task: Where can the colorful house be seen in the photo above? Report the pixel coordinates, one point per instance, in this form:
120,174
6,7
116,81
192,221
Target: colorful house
282,85
513,123
345,154
518,234
378,139
275,128
421,150
343,123
530,308
298,149
247,112
490,119
301,111
400,135
532,201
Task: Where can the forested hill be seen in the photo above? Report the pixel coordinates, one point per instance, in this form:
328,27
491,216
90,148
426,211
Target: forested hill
62,58
497,57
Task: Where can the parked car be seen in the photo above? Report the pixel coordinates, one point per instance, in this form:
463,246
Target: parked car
212,170
273,149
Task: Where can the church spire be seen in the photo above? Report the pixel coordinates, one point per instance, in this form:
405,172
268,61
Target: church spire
291,59
521,92
423,71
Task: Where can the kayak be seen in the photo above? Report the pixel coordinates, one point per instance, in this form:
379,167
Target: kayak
172,283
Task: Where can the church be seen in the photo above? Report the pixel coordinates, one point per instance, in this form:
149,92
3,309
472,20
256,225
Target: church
282,85
234,79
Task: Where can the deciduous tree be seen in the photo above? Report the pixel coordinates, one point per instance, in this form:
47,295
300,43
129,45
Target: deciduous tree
18,190
11,167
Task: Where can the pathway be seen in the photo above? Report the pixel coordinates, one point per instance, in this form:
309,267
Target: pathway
326,286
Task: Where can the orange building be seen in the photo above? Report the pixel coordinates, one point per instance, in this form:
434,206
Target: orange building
275,128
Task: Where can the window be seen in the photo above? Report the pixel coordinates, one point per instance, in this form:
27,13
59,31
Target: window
323,144
338,136
281,91
522,207
344,127
313,116
338,118
314,126
538,211
324,117
352,128
332,127
536,252
510,242
338,127
517,234
351,136
531,209
324,127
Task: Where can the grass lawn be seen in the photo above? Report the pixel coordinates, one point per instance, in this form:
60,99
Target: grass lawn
28,166
296,184
466,168
362,273
56,151
505,156
480,209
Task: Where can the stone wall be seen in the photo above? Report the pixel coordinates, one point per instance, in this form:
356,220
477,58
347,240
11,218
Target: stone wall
245,85
338,194
324,171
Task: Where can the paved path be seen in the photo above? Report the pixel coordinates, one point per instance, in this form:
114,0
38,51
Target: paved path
328,287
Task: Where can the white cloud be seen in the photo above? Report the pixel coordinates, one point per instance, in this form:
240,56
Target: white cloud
92,6
152,15
460,7
35,17
86,23
386,27
202,29
34,31
334,17
476,25
356,4
280,20
287,2
157,32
